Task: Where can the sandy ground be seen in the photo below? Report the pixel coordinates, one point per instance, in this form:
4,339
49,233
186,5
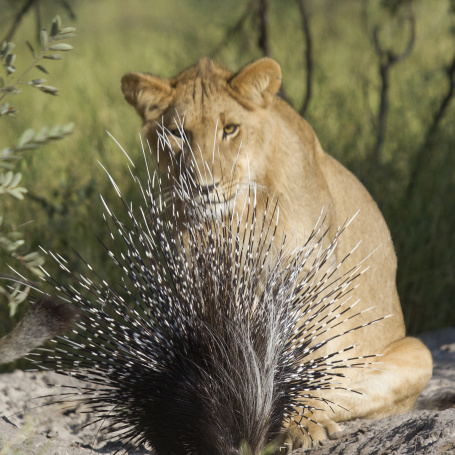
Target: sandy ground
27,428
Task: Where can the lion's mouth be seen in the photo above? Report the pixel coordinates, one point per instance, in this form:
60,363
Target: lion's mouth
213,199
209,194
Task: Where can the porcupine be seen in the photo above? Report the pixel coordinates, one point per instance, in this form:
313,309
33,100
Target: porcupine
205,347
45,319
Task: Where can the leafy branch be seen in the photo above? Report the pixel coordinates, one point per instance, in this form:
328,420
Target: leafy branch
49,45
11,240
36,4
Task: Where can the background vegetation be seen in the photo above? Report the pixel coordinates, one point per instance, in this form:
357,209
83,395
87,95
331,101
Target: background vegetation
374,78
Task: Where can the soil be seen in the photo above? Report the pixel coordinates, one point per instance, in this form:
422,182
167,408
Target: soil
28,428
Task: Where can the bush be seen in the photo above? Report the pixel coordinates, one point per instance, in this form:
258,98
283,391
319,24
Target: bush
12,242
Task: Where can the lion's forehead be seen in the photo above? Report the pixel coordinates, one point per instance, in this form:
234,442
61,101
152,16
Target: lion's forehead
204,103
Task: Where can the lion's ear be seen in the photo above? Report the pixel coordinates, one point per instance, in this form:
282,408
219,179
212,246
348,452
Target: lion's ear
258,82
150,95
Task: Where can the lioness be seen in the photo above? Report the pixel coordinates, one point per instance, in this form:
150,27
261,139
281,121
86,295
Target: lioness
279,151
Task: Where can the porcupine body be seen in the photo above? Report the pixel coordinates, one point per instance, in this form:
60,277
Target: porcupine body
205,346
45,319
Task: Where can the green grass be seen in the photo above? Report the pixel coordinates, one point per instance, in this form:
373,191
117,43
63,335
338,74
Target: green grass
164,37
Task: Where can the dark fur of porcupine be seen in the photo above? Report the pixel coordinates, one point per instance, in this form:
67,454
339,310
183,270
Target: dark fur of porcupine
44,319
203,347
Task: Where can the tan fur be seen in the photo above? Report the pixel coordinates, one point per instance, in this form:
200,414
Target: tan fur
281,153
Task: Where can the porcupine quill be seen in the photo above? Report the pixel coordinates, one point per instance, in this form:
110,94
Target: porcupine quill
205,345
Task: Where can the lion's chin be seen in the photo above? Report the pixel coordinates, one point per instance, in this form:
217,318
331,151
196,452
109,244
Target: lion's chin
215,207
216,210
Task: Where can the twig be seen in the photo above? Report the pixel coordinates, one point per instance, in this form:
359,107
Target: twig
308,55
231,31
27,5
38,20
263,40
19,81
69,10
388,58
18,19
424,154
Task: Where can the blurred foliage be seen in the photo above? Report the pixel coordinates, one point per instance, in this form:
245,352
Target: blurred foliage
413,183
15,252
14,11
392,6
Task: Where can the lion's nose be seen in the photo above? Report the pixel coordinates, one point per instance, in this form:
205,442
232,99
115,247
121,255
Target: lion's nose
207,188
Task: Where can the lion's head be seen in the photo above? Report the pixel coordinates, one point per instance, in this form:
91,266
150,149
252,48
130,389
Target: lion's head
219,112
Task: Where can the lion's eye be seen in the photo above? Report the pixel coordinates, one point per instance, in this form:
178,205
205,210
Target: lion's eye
176,132
230,129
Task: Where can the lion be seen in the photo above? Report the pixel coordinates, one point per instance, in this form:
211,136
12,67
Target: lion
283,157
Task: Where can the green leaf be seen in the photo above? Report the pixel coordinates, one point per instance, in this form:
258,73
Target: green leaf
11,90
48,89
41,136
61,47
32,50
33,259
68,129
14,246
67,30
6,49
37,81
43,37
6,165
56,25
18,192
9,166
6,152
56,132
53,57
16,179
15,298
9,185
41,68
66,36
27,136
4,108
6,179
30,146
10,59
37,271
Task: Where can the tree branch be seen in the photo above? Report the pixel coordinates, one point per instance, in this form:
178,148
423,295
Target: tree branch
69,10
423,155
263,40
308,55
18,19
38,20
231,31
388,58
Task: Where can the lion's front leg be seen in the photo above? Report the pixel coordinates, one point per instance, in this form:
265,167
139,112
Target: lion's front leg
391,387
310,433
